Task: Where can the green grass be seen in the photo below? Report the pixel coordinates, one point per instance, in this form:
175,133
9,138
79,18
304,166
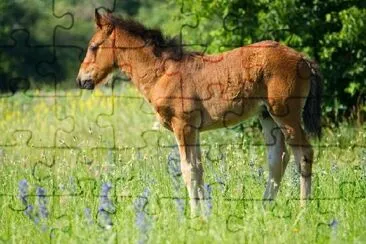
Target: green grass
66,146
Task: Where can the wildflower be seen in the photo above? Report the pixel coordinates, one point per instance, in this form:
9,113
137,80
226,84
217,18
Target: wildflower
73,185
175,173
42,202
174,158
256,173
88,216
23,191
139,155
173,165
251,163
219,178
208,199
105,206
42,207
224,175
110,157
334,167
23,195
260,172
334,226
141,201
143,222
61,187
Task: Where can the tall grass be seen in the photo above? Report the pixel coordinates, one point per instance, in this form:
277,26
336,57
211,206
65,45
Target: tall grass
89,168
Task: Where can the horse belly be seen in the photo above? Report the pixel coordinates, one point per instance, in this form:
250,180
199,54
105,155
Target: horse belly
221,114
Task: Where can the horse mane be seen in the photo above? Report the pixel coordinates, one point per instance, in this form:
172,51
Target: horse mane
154,37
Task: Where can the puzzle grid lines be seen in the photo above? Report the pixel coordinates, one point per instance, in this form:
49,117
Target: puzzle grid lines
112,145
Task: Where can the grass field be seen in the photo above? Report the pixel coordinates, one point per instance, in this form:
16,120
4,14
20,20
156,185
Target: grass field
90,168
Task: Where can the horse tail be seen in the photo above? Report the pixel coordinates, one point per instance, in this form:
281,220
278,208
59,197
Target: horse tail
311,114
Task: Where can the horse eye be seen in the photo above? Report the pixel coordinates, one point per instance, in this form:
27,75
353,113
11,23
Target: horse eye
93,47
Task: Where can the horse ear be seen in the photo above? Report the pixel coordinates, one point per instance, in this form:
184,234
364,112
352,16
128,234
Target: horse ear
98,18
103,19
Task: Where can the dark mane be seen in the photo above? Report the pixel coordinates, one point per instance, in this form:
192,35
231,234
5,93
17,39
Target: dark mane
153,37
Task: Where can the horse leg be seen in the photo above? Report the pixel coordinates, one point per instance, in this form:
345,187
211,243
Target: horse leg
277,155
191,166
303,152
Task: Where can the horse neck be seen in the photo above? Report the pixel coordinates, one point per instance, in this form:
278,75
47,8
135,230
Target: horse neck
139,63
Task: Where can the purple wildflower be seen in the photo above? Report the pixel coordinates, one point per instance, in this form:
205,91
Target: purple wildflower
88,216
42,202
73,185
334,226
175,173
139,156
29,213
218,178
105,206
23,191
42,207
208,199
142,200
143,222
23,195
180,203
174,163
223,174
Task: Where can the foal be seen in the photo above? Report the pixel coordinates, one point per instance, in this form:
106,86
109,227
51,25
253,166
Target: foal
192,92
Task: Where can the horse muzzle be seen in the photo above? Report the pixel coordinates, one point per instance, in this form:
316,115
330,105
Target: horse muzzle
85,84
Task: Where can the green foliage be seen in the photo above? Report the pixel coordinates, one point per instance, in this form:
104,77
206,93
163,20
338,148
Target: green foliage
18,62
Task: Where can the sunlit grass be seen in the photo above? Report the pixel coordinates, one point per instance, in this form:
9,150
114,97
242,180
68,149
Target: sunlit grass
72,146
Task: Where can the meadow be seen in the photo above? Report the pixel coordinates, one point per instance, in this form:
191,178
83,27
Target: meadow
80,167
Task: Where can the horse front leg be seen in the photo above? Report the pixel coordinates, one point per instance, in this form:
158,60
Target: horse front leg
191,166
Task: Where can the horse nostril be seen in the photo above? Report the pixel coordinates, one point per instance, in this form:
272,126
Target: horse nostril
78,81
85,84
88,84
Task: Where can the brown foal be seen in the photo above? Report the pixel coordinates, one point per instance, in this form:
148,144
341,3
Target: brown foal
193,92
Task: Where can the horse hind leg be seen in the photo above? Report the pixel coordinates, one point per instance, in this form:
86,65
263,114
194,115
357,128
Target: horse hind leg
295,136
286,100
277,155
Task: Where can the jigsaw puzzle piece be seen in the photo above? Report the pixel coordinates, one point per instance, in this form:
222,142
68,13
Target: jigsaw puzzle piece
47,167
43,127
35,49
30,22
190,20
76,30
28,76
81,115
125,119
